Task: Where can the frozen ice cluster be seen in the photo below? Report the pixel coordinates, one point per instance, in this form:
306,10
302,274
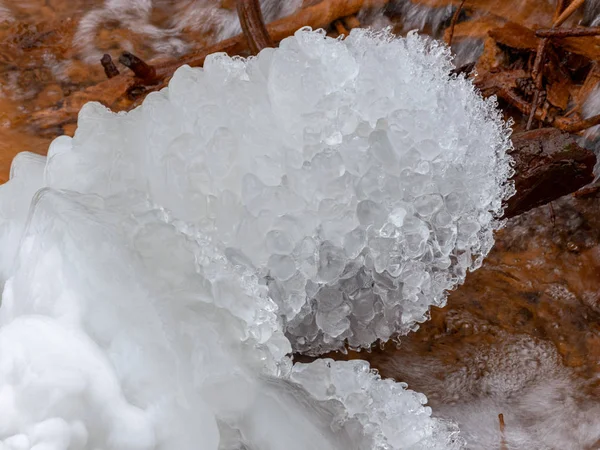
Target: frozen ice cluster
357,178
160,266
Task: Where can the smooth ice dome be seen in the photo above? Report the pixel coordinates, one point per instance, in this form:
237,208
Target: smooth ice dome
160,266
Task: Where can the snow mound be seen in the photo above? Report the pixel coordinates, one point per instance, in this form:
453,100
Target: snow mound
324,192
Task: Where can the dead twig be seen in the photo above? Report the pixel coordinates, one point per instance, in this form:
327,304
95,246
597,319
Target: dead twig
567,32
115,92
536,75
340,28
109,66
504,85
253,25
145,72
454,20
568,12
560,6
534,106
586,192
574,126
502,438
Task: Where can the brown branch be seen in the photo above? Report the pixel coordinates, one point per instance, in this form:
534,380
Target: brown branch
560,6
548,165
454,20
567,32
574,126
109,66
563,123
534,106
340,28
536,75
253,25
142,70
568,12
320,16
114,92
586,192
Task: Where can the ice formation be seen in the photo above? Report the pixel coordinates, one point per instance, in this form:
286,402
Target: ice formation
159,267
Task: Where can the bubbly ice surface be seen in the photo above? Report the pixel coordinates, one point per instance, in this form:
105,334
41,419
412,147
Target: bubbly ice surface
358,169
322,193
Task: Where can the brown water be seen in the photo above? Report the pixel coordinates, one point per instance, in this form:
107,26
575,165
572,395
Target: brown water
521,337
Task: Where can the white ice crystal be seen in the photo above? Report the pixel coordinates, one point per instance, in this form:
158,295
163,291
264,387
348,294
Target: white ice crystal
324,192
356,177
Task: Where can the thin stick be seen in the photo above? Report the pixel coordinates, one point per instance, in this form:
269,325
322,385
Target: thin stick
580,125
568,12
539,58
140,68
340,28
567,32
502,439
536,74
560,6
534,106
253,25
320,15
560,122
454,20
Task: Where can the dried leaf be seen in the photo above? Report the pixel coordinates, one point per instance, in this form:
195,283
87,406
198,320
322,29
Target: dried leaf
491,57
474,28
588,46
515,36
491,82
523,12
558,94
